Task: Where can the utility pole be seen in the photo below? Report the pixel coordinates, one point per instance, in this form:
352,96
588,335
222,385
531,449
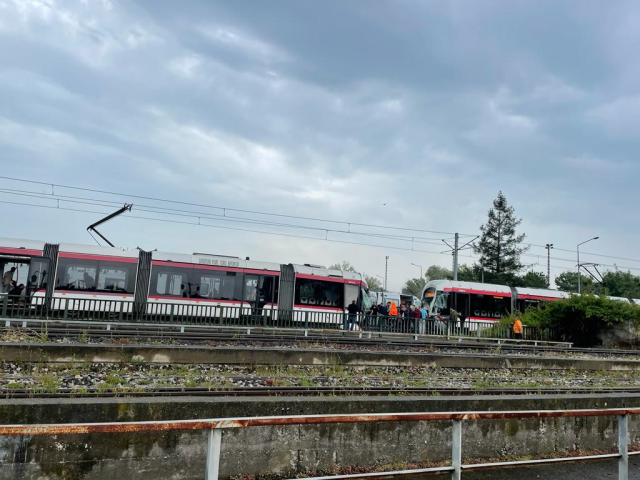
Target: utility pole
386,265
549,246
454,251
455,257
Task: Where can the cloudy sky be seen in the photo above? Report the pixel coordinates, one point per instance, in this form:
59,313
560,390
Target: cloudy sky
410,114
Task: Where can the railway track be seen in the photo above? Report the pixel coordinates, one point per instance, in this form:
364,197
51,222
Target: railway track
306,391
140,334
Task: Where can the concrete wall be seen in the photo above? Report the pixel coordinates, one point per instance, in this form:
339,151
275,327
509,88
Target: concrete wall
268,450
69,353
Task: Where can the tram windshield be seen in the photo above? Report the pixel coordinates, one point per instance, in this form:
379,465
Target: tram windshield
366,300
427,298
441,302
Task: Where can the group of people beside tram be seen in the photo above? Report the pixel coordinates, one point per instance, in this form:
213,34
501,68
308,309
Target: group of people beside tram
406,318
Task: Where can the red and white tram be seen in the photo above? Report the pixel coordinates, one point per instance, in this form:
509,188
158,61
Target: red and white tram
484,302
84,272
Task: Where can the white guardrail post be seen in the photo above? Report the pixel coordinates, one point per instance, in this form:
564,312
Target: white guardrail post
213,454
623,447
456,450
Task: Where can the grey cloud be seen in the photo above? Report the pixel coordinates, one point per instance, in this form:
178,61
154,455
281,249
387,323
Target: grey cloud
332,109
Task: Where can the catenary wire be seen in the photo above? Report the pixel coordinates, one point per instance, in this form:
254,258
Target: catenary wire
224,208
277,234
200,215
260,222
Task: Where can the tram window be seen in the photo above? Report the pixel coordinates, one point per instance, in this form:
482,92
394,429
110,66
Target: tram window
216,285
266,289
76,274
462,303
319,293
116,277
250,288
489,306
39,273
351,293
169,281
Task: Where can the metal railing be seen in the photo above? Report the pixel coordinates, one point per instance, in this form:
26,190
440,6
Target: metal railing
217,426
213,314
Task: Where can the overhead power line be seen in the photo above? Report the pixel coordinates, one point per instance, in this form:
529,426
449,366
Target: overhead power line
201,215
77,210
224,209
201,224
229,218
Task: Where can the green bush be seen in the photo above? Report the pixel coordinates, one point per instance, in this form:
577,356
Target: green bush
579,319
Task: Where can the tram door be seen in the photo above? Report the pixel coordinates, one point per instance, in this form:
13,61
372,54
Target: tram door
461,303
258,291
250,295
21,272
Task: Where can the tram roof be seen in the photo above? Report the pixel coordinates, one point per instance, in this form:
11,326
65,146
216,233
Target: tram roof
21,244
541,292
98,250
326,272
471,287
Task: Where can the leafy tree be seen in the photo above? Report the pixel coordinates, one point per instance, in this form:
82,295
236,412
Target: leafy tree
533,280
622,284
568,282
414,286
468,273
500,246
434,272
374,284
344,265
581,318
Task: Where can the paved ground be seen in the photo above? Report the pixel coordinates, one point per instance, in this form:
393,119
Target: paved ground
577,471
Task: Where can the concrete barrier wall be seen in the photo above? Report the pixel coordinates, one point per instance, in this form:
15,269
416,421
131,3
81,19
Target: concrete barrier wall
70,353
273,450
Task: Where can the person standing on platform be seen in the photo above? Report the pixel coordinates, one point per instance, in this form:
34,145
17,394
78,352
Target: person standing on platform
372,317
416,317
353,314
517,329
423,320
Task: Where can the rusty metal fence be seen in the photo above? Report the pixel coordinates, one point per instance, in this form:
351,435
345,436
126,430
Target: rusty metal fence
216,427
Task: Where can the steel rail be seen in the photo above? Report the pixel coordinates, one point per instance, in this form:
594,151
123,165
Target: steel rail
57,329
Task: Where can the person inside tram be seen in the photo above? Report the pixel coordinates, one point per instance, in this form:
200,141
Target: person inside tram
89,281
7,278
16,291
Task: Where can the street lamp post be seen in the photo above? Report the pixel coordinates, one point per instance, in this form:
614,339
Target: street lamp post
578,250
381,278
420,267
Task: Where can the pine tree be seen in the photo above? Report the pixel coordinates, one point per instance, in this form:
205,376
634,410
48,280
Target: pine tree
500,246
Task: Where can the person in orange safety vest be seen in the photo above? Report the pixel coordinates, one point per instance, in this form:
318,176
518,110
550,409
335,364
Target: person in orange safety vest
517,329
